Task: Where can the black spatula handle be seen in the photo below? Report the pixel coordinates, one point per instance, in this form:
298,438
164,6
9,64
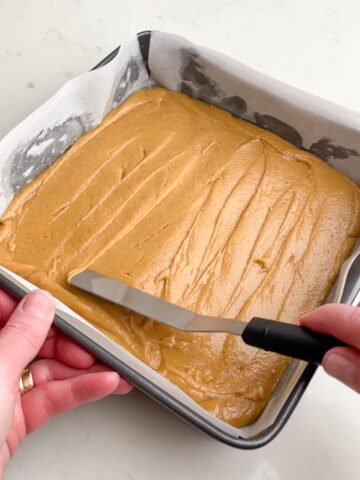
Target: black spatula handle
290,340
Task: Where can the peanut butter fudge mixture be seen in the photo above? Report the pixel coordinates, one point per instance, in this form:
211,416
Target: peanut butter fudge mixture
182,200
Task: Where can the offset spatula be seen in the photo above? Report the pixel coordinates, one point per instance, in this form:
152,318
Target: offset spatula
286,339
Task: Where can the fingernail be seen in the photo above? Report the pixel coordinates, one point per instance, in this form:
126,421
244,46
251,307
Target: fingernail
339,367
38,303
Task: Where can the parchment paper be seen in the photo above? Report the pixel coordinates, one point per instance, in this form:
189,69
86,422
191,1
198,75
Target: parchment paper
308,122
77,107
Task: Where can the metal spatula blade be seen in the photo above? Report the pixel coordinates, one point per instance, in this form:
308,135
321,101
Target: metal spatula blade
278,337
151,306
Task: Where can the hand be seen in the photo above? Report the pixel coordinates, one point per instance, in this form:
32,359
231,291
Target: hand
343,322
65,376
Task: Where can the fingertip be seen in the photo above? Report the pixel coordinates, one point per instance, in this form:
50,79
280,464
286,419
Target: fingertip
316,315
46,293
338,366
328,357
38,303
110,379
343,363
303,321
105,382
114,383
124,387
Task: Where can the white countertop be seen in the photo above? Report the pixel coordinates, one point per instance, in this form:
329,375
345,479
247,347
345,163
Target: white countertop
310,44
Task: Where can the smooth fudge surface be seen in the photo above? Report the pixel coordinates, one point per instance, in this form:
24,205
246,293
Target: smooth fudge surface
180,199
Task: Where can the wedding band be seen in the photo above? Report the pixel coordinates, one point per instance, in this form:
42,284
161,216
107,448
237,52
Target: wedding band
26,382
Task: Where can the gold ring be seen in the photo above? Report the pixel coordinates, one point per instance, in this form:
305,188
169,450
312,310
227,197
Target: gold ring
26,382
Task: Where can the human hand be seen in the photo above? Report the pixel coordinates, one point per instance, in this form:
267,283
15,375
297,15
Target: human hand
64,375
343,322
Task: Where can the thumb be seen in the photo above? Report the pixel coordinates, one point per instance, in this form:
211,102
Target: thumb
341,321
24,333
343,363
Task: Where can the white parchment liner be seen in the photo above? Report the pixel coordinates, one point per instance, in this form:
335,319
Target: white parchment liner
330,132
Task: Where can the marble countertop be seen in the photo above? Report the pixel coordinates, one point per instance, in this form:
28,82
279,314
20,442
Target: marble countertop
311,45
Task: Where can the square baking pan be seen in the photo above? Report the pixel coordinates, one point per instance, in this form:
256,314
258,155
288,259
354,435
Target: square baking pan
326,130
